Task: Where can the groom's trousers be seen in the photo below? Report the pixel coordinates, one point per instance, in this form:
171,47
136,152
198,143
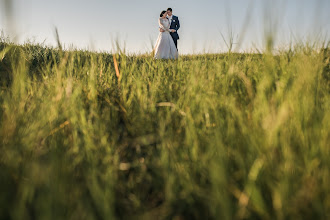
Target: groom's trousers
175,41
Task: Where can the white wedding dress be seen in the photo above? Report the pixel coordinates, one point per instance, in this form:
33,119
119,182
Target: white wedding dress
165,47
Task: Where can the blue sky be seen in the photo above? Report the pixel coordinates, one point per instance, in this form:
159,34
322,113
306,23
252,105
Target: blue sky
96,24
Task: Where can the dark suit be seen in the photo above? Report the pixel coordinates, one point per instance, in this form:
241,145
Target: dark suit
175,24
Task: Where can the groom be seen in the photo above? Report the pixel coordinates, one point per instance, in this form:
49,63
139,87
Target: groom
174,25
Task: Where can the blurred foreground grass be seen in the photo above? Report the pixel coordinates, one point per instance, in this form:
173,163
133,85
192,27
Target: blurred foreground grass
226,136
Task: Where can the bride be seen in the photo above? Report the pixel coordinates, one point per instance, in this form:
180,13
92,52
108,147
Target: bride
165,47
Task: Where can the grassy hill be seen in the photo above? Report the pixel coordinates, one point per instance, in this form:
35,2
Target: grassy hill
88,135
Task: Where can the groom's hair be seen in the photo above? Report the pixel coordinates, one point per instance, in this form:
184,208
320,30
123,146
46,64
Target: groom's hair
169,9
162,13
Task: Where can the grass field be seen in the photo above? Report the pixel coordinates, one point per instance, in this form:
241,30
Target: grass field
217,136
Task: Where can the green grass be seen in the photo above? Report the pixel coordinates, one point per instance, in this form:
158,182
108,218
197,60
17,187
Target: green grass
217,136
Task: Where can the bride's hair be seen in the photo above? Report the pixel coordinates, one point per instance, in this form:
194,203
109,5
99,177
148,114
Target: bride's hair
162,13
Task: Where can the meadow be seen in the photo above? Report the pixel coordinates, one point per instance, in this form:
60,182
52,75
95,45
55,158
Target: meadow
86,135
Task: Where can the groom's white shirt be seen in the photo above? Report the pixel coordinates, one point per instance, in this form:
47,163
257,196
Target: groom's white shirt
170,18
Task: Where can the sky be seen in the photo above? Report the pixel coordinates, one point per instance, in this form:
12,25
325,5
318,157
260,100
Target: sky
206,25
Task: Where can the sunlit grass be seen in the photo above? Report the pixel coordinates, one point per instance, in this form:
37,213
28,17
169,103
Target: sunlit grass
226,136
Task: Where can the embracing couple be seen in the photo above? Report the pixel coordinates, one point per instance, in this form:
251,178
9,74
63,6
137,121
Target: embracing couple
167,42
